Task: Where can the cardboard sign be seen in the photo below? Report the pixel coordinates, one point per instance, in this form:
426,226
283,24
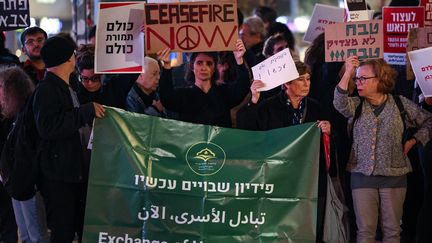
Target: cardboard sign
397,23
276,70
119,40
418,38
427,4
191,26
14,14
322,16
362,39
422,67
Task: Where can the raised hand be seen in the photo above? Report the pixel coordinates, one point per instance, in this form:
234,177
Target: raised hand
163,56
256,84
351,63
239,51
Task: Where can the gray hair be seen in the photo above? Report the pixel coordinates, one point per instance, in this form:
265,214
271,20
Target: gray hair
256,26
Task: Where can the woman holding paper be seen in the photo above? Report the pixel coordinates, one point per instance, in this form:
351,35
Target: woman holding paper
290,107
204,102
378,161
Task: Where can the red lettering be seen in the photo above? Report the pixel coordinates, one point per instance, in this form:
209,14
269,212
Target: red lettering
148,38
217,29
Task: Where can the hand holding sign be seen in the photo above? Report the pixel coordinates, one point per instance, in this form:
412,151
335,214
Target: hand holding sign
276,70
239,51
256,85
163,55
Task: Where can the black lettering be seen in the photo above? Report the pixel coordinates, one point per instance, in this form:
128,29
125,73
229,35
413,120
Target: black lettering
184,13
203,10
174,13
163,12
217,9
228,10
193,13
148,12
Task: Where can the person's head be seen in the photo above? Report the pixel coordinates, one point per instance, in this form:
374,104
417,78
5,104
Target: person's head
316,52
92,35
283,29
374,76
299,88
68,37
148,80
267,14
85,64
15,88
274,44
252,31
58,53
202,67
32,40
226,67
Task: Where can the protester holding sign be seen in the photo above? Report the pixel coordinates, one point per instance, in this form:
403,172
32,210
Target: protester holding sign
95,87
204,102
378,161
59,120
290,107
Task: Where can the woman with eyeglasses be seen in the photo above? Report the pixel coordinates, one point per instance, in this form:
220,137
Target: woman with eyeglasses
378,160
109,91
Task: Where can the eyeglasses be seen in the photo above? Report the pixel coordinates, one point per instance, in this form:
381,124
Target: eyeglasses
32,42
362,80
95,78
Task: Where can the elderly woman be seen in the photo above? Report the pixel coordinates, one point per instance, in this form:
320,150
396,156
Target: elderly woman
204,102
15,89
378,161
290,107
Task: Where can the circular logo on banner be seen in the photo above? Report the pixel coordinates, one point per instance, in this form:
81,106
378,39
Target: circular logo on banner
205,158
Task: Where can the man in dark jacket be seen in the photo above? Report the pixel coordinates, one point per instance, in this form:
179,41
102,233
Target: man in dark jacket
60,121
32,40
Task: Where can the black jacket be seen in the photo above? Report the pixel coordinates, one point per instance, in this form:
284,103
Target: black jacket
212,108
274,113
58,124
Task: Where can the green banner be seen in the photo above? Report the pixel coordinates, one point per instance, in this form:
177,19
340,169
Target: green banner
157,180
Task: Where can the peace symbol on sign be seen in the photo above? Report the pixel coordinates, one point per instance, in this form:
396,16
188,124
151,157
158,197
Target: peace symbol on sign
188,37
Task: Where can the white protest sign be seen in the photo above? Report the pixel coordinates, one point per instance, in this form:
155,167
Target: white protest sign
276,70
422,67
119,40
322,15
361,15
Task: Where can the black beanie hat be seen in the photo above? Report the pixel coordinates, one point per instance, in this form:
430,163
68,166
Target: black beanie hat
56,50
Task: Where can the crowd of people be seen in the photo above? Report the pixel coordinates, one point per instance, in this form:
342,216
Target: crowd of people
376,134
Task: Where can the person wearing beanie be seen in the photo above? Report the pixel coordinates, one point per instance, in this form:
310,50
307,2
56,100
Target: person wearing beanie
61,122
